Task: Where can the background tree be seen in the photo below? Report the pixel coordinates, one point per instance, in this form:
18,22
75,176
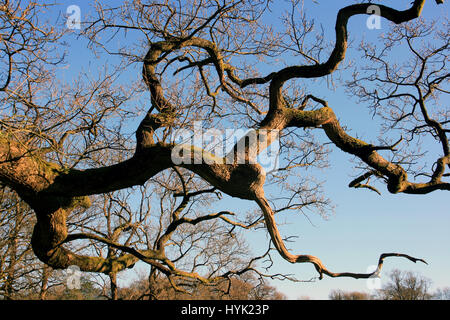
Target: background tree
242,288
406,286
17,262
442,294
402,285
199,243
22,275
63,144
353,295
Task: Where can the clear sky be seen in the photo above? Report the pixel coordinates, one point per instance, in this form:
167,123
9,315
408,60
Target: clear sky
364,224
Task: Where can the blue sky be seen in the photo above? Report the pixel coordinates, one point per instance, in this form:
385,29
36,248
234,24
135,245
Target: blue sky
364,224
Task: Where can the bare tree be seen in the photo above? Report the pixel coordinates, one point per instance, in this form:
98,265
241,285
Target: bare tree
22,275
244,288
353,295
62,144
406,286
16,257
199,244
442,294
